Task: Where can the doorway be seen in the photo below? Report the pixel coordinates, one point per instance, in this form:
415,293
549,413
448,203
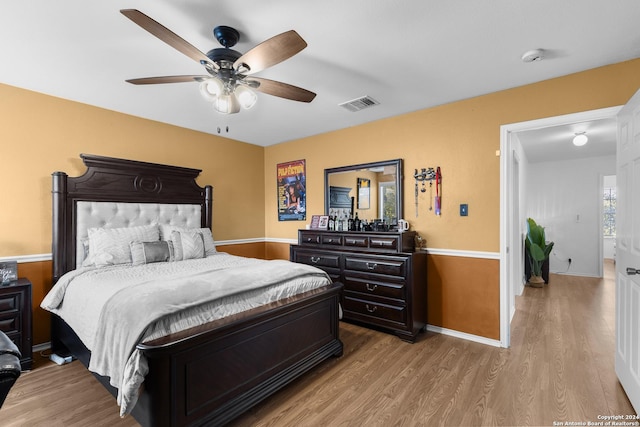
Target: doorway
511,195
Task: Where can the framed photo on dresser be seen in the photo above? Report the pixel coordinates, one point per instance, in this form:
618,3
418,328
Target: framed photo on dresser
319,222
8,271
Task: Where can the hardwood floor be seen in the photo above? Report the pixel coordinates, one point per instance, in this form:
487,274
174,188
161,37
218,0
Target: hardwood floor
560,368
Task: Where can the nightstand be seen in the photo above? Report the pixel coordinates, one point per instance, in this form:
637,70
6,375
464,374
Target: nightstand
15,317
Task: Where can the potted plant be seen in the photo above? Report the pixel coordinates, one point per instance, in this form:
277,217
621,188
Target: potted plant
538,250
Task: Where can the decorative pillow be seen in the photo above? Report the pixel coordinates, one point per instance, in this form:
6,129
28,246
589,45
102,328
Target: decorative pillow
83,253
187,244
108,246
148,252
207,237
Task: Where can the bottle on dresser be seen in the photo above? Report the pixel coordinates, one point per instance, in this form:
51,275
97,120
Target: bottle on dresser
356,223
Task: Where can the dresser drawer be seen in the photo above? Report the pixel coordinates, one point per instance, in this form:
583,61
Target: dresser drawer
331,239
10,302
371,286
390,266
360,309
10,323
384,242
356,241
311,237
319,259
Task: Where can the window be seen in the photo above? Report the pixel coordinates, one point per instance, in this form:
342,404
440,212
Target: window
609,217
387,197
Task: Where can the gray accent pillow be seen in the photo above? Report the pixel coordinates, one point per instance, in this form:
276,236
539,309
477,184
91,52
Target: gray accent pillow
207,236
148,252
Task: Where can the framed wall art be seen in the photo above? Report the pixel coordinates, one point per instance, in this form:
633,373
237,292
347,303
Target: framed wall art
292,191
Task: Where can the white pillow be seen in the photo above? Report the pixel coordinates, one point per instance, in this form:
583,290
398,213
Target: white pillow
109,246
207,236
187,244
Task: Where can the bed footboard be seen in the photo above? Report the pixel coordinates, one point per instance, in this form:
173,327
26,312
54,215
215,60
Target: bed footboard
225,368
211,374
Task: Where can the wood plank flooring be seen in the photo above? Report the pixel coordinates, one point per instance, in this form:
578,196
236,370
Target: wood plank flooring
560,367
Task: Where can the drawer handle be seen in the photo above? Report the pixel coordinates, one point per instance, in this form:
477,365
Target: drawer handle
369,309
371,266
309,240
315,259
329,240
371,288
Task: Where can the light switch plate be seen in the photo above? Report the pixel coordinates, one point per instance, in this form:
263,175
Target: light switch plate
464,209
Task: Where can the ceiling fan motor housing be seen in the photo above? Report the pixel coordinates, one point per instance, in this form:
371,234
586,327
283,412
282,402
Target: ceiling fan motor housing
226,36
223,54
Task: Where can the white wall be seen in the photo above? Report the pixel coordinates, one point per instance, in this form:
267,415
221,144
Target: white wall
565,198
608,245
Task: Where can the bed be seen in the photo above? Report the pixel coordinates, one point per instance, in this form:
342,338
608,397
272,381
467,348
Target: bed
208,373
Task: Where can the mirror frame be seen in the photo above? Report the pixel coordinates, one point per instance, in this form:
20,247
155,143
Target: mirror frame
399,179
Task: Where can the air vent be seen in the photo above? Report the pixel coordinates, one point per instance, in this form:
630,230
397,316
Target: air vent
359,103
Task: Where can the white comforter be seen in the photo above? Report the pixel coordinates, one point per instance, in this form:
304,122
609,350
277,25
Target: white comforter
112,309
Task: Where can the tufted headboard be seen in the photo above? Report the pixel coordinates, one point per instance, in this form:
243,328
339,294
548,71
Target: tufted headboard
122,193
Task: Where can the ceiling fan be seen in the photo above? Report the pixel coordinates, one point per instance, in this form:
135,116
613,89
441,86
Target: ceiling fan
230,83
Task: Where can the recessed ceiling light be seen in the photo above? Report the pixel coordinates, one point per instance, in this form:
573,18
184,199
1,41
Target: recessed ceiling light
580,139
533,55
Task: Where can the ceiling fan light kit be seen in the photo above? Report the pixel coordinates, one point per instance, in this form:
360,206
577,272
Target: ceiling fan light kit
230,85
211,88
246,97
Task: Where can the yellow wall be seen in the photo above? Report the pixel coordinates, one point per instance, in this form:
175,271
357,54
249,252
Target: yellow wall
461,138
42,134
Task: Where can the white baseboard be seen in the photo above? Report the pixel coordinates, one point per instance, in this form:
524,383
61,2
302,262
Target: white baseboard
464,336
41,347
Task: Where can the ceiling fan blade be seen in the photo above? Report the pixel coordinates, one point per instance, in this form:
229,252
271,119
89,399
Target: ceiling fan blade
270,52
283,90
166,79
167,36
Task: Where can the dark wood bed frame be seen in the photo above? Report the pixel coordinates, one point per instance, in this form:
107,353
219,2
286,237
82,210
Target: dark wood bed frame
210,374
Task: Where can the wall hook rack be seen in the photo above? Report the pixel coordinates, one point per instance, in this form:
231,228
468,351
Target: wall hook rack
421,177
426,174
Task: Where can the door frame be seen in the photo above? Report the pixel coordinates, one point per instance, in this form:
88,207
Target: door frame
508,263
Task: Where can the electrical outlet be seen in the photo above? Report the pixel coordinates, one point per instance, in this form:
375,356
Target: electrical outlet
464,209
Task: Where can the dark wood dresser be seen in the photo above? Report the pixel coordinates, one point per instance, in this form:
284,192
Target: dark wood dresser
385,280
15,317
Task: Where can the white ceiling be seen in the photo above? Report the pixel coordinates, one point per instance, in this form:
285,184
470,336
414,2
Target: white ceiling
407,54
555,143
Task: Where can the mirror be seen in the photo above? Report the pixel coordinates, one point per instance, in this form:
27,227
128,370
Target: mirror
372,190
